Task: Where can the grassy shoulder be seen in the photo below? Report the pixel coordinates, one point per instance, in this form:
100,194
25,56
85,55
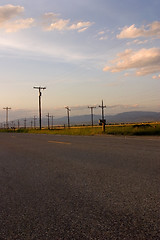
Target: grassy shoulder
150,129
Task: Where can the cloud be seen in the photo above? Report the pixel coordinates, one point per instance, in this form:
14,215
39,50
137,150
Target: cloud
81,26
151,30
51,21
8,13
18,25
101,33
138,42
60,24
144,61
156,77
103,38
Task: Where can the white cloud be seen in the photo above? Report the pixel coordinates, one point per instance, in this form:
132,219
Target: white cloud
151,30
144,61
51,21
8,13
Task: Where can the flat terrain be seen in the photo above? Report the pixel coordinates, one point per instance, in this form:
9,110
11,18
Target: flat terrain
74,187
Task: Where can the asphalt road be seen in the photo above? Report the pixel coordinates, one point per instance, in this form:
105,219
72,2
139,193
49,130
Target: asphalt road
73,187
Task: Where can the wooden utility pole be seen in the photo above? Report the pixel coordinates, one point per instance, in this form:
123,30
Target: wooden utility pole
18,124
52,120
6,108
48,116
92,114
102,110
103,121
25,120
34,122
40,114
68,110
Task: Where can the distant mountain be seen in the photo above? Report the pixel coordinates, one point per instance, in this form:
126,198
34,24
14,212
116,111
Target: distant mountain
126,117
134,116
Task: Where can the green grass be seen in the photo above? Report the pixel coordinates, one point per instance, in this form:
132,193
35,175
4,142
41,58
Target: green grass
126,129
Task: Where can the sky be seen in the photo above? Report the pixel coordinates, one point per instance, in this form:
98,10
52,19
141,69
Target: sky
82,52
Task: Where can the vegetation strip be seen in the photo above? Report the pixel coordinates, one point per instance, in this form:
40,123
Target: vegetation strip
143,129
59,142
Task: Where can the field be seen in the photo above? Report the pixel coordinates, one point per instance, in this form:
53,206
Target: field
121,129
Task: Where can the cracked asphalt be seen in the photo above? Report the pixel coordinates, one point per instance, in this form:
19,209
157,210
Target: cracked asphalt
74,187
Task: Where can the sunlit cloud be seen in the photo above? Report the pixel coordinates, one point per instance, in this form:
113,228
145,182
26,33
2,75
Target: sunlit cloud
144,61
7,15
156,76
151,30
137,42
103,38
18,25
9,11
126,74
51,21
101,32
102,35
80,26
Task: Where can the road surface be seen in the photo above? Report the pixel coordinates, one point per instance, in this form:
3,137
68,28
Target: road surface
74,187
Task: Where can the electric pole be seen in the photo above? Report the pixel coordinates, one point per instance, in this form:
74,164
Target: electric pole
18,124
68,110
31,123
92,114
103,121
7,108
35,122
40,94
48,116
52,120
102,110
25,120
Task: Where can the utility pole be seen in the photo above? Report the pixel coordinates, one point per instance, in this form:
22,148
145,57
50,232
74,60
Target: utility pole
40,94
48,120
68,110
31,123
102,110
35,122
25,120
103,121
18,124
52,120
7,108
92,114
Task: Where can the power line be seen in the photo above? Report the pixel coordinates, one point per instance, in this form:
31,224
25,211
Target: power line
40,94
92,114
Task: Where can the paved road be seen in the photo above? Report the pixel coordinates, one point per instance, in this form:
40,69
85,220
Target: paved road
72,187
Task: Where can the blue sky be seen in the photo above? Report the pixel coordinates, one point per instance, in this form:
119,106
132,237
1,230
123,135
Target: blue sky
82,52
